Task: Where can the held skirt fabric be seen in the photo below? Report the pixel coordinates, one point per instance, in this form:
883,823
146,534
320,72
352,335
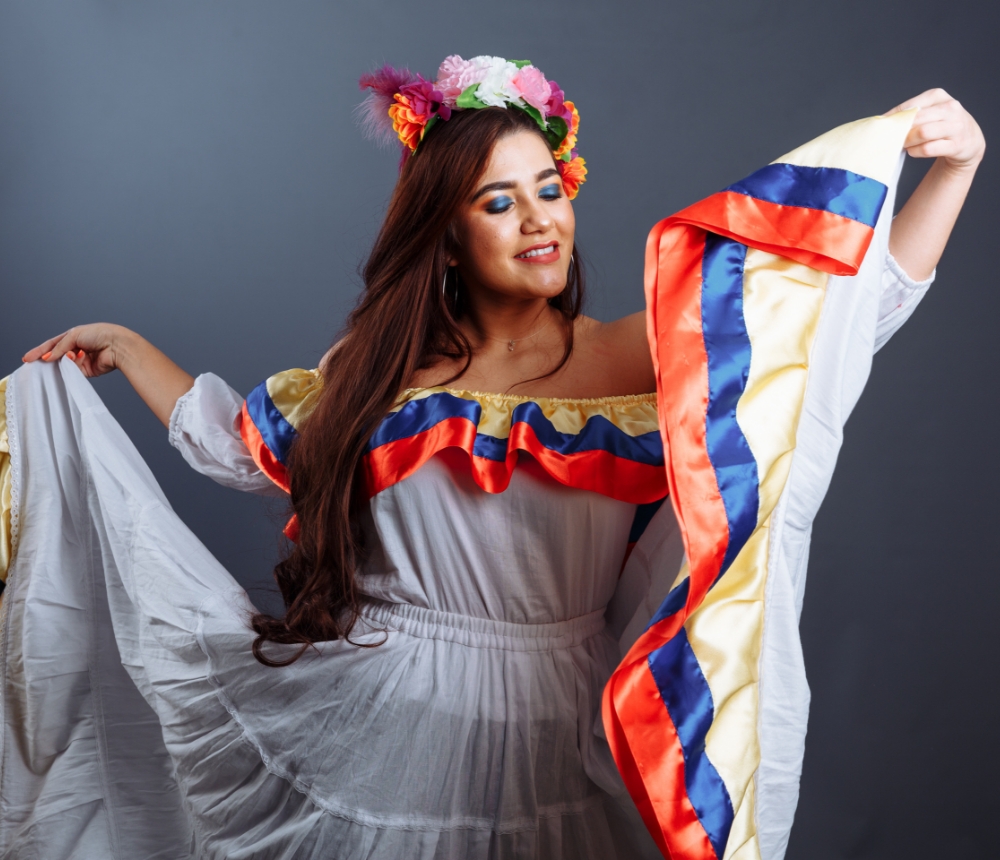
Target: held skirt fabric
523,571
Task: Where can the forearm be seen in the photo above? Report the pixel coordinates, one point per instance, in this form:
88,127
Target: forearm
99,348
156,379
921,229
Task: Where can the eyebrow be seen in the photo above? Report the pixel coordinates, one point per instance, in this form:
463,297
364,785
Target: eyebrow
508,184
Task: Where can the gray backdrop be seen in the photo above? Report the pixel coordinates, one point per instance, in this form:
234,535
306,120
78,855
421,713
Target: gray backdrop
192,170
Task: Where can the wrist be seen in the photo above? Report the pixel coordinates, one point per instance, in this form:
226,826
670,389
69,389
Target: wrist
126,346
962,170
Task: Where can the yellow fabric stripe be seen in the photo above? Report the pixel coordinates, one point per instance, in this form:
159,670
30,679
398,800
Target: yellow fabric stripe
726,632
5,537
726,635
295,392
633,414
869,147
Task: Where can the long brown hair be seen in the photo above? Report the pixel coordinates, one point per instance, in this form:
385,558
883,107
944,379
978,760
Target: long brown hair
404,321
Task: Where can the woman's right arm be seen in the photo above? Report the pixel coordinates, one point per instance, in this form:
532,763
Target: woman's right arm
99,348
203,415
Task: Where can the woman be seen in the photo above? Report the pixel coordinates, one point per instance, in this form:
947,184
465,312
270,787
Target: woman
467,470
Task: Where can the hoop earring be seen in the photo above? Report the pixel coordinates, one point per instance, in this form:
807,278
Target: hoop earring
444,283
572,261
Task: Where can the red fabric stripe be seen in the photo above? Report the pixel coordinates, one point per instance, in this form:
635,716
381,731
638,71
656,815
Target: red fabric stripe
262,456
822,240
598,471
673,296
393,462
628,552
644,742
640,732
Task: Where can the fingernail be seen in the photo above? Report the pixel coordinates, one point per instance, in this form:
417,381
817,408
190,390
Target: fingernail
71,355
47,356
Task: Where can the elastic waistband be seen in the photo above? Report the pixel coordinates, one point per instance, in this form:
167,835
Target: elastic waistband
483,632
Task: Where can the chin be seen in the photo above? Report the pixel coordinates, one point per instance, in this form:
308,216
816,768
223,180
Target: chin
547,289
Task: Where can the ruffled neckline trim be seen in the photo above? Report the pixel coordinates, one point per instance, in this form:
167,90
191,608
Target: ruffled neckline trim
623,400
608,445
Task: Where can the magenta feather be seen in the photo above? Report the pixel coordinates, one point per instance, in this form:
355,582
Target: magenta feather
373,112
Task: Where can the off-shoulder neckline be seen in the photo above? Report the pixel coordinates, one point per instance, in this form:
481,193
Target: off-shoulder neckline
610,400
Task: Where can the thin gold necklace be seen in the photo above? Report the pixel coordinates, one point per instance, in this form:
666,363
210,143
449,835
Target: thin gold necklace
512,342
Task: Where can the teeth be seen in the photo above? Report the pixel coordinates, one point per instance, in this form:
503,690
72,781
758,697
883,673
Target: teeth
537,252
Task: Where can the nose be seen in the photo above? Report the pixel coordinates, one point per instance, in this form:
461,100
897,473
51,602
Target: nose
537,218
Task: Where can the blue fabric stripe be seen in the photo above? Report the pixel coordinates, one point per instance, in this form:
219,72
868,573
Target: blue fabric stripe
598,433
828,188
643,516
416,416
276,432
688,700
728,346
674,602
489,448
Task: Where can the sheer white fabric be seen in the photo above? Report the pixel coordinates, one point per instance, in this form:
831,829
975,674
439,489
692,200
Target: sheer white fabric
858,319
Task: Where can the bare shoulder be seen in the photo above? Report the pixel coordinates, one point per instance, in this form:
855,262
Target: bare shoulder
618,352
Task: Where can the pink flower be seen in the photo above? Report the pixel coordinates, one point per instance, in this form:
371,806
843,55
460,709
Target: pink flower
425,100
533,87
556,105
455,75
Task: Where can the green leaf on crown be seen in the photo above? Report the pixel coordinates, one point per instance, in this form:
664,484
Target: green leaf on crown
468,98
557,131
521,63
536,115
427,126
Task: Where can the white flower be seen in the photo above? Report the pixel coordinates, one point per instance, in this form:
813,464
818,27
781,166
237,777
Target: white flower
495,87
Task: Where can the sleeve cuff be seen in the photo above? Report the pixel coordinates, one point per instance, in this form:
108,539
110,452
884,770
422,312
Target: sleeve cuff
904,278
174,428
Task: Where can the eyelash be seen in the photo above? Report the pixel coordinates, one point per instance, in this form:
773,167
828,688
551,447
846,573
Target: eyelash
501,204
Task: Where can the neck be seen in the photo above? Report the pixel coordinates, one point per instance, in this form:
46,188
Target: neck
504,320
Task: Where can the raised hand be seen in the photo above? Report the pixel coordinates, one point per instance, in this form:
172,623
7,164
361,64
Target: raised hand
96,348
943,129
101,347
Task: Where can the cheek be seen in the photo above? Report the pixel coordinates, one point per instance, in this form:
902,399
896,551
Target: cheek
489,245
566,219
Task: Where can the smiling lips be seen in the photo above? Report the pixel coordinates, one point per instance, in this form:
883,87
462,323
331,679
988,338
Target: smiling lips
540,254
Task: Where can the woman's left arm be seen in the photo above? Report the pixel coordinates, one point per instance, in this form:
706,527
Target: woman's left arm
944,130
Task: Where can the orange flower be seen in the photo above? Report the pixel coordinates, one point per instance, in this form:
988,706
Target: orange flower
574,174
570,140
406,122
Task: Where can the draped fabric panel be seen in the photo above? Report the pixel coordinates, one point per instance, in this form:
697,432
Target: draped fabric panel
735,290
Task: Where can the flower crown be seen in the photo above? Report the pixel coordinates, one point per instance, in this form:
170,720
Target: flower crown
405,105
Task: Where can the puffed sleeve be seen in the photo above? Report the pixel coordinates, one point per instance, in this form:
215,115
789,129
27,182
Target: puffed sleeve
900,297
205,428
272,415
